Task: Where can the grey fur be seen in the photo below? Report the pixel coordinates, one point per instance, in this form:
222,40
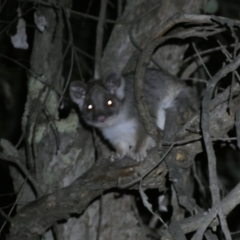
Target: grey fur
120,122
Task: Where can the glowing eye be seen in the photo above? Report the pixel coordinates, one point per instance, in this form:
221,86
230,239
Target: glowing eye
109,102
90,107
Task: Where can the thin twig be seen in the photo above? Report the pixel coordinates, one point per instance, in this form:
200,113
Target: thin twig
202,62
9,219
210,151
99,39
15,203
211,50
148,51
16,161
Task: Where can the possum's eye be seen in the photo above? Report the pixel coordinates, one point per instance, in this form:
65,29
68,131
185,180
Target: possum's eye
90,107
110,103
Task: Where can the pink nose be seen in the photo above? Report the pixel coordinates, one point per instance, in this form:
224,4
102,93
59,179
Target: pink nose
101,118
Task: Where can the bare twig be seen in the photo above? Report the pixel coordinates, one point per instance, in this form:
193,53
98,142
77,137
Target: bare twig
237,124
210,151
156,41
17,162
99,39
76,197
202,62
91,17
236,47
211,50
191,68
15,203
193,223
5,216
120,21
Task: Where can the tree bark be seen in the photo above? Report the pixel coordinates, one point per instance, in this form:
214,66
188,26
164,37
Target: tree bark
58,152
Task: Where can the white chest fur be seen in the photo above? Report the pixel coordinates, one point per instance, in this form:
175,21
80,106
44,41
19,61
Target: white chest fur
166,103
122,133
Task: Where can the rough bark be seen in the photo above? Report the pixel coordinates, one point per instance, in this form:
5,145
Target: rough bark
142,20
58,152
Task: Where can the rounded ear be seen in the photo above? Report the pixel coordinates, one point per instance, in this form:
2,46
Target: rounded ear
77,92
112,81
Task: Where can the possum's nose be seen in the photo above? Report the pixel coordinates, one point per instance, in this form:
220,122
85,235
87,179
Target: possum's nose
101,118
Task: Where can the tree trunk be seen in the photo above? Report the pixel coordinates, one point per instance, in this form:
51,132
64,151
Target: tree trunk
59,151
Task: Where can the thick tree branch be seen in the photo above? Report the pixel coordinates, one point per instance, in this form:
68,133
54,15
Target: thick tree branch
35,218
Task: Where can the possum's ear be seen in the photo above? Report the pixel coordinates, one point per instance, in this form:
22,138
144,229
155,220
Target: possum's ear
77,92
115,84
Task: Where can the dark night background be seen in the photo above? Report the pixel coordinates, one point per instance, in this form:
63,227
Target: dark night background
13,84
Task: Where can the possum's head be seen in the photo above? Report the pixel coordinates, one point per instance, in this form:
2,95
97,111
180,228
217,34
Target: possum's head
100,102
